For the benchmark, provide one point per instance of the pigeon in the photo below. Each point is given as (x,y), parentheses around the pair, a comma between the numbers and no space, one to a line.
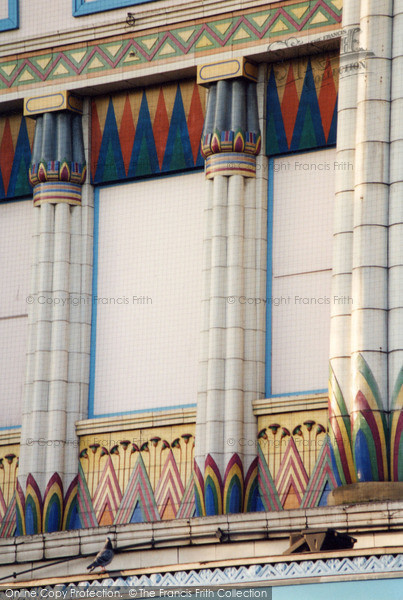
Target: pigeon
(103,558)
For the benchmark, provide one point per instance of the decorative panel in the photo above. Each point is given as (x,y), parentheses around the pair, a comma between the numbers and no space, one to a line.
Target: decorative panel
(295,469)
(136,476)
(8,481)
(102,57)
(147,132)
(16,139)
(302,104)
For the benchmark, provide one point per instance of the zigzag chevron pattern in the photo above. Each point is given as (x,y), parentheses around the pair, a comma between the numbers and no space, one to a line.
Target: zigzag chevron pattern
(302,104)
(295,464)
(187,508)
(169,491)
(139,493)
(3,506)
(107,497)
(132,483)
(147,132)
(16,139)
(292,478)
(86,510)
(322,478)
(9,520)
(268,492)
(247,27)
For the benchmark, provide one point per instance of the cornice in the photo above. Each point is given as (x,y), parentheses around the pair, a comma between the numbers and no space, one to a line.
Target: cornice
(120,61)
(144,420)
(147,16)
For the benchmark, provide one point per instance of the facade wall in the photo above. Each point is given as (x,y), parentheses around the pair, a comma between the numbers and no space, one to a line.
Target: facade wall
(178,367)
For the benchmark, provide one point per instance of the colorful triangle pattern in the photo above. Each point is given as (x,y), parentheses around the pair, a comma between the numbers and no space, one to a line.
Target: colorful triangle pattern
(8,522)
(322,480)
(169,490)
(293,488)
(302,105)
(138,499)
(108,496)
(147,132)
(16,139)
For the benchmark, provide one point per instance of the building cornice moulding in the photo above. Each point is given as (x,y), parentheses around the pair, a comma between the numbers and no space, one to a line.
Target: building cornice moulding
(286,404)
(10,436)
(177,416)
(146,16)
(259,528)
(171,52)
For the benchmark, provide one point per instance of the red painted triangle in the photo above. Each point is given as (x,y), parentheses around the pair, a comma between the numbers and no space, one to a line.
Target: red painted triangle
(126,134)
(161,127)
(327,98)
(195,122)
(289,105)
(6,155)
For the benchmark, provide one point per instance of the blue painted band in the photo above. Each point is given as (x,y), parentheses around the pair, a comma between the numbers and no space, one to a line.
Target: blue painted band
(303,393)
(12,19)
(82,7)
(269,282)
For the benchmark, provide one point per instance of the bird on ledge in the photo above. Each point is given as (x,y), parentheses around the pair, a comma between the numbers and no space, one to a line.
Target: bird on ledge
(103,558)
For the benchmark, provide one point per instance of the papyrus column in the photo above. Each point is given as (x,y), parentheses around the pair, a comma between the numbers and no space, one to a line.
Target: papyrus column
(48,468)
(395,250)
(232,352)
(369,327)
(375,401)
(340,323)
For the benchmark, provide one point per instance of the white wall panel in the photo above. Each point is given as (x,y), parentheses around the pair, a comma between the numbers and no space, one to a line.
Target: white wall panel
(149,261)
(16,220)
(300,334)
(303,212)
(303,198)
(13,346)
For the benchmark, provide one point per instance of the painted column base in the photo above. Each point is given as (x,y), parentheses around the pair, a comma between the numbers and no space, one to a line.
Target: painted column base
(366,491)
(55,192)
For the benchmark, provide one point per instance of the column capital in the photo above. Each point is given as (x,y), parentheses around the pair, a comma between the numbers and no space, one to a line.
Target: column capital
(231,136)
(58,168)
(227,69)
(37,105)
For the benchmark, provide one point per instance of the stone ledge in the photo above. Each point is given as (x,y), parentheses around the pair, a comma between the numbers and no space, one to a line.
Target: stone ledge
(367,491)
